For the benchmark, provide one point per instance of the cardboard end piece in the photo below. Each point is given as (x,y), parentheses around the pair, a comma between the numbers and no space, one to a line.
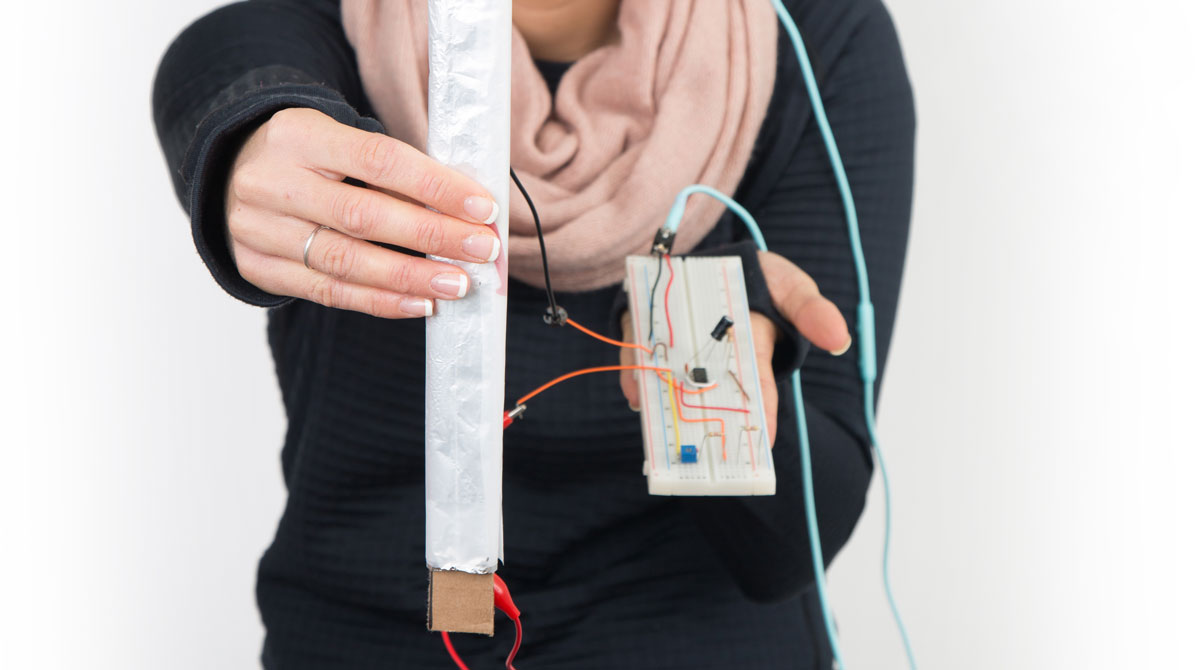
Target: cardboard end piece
(461,602)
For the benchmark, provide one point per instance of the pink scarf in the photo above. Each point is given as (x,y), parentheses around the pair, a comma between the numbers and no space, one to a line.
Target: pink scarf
(679,99)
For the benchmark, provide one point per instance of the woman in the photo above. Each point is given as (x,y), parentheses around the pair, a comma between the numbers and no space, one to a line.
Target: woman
(268,115)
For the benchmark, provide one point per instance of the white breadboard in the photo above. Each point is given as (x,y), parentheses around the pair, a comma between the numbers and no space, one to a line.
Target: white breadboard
(709,443)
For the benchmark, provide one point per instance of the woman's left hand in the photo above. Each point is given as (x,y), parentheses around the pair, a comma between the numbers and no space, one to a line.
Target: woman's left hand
(796,297)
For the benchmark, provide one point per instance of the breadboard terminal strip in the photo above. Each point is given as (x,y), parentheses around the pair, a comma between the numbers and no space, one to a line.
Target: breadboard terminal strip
(714,443)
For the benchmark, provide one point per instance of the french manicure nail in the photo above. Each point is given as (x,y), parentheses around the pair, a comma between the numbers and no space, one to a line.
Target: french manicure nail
(483,210)
(845,348)
(450,284)
(417,306)
(484,247)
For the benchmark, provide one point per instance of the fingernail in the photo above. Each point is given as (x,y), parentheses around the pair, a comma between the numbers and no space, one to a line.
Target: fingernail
(450,284)
(484,247)
(845,347)
(417,306)
(632,408)
(483,210)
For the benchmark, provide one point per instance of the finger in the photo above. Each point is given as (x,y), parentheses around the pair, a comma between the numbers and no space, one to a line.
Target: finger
(283,276)
(328,174)
(393,194)
(371,215)
(628,381)
(390,164)
(347,258)
(798,299)
(763,332)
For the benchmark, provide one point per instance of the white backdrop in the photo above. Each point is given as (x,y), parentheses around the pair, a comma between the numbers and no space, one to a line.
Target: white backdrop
(1034,412)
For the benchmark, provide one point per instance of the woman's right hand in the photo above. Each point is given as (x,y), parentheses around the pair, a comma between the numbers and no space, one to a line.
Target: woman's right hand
(287,180)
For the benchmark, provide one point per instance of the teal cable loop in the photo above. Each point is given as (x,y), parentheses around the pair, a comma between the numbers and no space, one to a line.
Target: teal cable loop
(866,346)
(675,215)
(866,311)
(810,504)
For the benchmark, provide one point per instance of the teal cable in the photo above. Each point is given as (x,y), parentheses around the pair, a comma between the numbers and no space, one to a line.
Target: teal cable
(675,214)
(887,529)
(835,156)
(810,504)
(866,346)
(866,311)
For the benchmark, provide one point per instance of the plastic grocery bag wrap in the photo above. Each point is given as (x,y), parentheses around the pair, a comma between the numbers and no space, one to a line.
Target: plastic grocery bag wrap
(470,44)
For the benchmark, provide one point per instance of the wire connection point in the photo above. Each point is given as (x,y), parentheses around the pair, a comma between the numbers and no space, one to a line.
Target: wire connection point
(663,241)
(512,415)
(555,316)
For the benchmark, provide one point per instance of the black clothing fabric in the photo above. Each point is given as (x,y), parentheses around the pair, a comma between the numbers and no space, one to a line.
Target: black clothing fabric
(605,575)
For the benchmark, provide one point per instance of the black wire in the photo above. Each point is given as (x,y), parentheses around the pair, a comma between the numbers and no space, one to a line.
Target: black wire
(657,276)
(537,224)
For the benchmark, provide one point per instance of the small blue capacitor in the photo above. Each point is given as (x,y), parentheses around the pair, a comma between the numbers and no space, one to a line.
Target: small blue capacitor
(688,453)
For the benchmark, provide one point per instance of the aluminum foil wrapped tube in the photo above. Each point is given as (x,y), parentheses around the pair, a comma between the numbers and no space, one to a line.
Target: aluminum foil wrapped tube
(470,45)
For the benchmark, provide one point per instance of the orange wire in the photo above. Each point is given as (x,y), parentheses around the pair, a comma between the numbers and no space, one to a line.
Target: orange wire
(609,340)
(626,345)
(631,345)
(695,391)
(720,409)
(688,391)
(724,454)
(606,368)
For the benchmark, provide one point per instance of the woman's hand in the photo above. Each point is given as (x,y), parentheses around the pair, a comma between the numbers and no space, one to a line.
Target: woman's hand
(796,297)
(287,180)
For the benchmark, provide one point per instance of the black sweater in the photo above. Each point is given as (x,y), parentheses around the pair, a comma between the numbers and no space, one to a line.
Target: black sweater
(606,575)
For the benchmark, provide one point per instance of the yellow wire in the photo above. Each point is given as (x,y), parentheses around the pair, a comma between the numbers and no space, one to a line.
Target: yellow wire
(674,412)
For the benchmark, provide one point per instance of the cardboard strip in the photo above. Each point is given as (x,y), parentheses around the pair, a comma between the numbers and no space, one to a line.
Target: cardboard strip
(461,602)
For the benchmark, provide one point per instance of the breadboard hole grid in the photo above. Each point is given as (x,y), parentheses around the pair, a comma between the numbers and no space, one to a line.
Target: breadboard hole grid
(703,423)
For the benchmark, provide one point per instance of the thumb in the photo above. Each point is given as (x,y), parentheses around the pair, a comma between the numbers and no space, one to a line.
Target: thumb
(798,299)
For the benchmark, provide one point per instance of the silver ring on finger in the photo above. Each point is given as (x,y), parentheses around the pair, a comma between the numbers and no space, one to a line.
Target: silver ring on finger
(309,241)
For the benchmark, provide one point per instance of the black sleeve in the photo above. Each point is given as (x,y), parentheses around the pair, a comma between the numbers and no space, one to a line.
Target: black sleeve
(764,540)
(223,76)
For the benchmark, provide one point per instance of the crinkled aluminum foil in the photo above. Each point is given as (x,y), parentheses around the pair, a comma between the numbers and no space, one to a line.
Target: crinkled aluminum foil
(470,44)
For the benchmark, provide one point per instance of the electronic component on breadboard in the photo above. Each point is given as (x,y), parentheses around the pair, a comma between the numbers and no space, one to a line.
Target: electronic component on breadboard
(703,423)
